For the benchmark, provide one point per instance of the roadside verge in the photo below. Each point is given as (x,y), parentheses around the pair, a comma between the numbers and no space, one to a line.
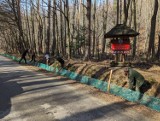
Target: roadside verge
(133,96)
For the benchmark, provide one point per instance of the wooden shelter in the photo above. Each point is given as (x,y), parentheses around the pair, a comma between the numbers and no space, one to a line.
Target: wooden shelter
(120,42)
(121,30)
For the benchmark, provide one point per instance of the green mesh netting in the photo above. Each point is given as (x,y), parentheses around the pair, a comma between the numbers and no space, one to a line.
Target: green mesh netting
(133,96)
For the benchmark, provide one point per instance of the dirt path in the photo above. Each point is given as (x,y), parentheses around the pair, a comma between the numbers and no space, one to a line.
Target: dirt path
(27,94)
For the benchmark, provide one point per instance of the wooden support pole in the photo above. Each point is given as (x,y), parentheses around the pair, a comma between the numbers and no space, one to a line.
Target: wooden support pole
(109,81)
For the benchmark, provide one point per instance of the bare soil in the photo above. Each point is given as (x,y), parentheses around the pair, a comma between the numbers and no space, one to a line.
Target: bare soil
(106,96)
(101,71)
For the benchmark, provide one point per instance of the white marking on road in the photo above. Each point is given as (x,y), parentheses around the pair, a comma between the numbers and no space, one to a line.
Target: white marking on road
(46,106)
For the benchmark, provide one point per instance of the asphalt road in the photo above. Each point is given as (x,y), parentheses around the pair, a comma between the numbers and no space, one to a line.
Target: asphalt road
(26,95)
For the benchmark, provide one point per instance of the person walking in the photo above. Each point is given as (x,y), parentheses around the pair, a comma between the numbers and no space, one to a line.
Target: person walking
(23,57)
(33,57)
(47,58)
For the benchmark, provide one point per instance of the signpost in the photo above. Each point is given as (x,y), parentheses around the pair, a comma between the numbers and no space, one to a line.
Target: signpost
(109,81)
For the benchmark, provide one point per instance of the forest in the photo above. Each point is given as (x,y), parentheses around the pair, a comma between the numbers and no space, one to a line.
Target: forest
(76,28)
(76,31)
(79,60)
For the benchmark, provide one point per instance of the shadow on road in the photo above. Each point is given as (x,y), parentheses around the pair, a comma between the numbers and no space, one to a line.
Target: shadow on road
(8,89)
(111,110)
(16,82)
(13,80)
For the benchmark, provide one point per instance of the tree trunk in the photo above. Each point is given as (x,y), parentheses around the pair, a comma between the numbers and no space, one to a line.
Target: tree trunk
(54,28)
(84,26)
(158,51)
(16,8)
(126,8)
(151,49)
(33,45)
(120,12)
(28,24)
(44,31)
(62,28)
(135,28)
(105,18)
(73,26)
(40,29)
(88,43)
(117,11)
(94,27)
(49,27)
(65,30)
(68,29)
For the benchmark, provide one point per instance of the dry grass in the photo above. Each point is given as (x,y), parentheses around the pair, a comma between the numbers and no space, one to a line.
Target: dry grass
(101,70)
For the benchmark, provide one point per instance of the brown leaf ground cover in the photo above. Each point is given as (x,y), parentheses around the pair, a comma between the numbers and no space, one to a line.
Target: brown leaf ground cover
(101,71)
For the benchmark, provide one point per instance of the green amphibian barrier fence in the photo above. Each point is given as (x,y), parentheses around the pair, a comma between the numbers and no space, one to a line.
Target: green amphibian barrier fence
(133,96)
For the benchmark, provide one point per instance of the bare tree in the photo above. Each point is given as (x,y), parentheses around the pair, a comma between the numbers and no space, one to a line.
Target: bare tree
(54,28)
(135,28)
(151,48)
(158,51)
(48,27)
(105,19)
(88,42)
(126,8)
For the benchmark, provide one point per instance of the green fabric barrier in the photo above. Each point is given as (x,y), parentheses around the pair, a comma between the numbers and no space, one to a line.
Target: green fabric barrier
(68,73)
(130,95)
(73,75)
(84,80)
(103,86)
(63,72)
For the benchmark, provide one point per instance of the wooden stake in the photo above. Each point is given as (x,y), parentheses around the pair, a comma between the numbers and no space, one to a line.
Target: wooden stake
(109,81)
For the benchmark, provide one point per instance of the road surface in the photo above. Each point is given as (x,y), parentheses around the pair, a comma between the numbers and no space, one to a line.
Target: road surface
(27,95)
